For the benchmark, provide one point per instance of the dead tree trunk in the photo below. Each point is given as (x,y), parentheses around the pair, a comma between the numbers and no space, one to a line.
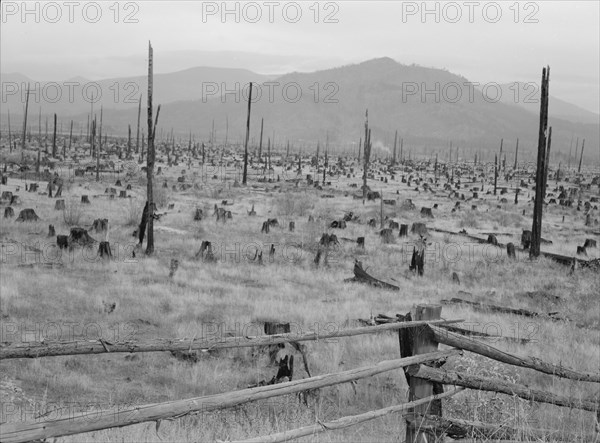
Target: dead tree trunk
(581,157)
(536,230)
(128,140)
(365,163)
(245,175)
(99,147)
(262,121)
(137,141)
(54,139)
(150,156)
(70,135)
(24,127)
(516,155)
(547,161)
(495,172)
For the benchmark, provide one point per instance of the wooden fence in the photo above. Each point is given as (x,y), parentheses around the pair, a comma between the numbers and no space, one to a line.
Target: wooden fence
(422,361)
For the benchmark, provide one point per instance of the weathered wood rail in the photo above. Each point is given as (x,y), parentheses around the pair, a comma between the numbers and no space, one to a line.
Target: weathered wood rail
(48,349)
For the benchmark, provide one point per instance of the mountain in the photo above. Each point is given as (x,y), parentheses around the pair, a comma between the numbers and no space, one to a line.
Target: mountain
(430,108)
(74,96)
(527,95)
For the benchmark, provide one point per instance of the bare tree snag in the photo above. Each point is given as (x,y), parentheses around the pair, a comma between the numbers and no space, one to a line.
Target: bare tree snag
(150,157)
(536,230)
(54,139)
(245,175)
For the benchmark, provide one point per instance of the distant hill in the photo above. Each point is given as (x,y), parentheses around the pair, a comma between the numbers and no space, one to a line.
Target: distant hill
(119,93)
(333,102)
(527,95)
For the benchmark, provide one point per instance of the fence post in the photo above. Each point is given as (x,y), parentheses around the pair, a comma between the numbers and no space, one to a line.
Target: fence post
(416,341)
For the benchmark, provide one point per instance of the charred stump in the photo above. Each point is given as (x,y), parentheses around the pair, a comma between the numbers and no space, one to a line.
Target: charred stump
(403,230)
(85,200)
(62,241)
(510,251)
(27,215)
(104,250)
(292,226)
(265,227)
(59,205)
(9,212)
(51,231)
(526,239)
(173,267)
(360,242)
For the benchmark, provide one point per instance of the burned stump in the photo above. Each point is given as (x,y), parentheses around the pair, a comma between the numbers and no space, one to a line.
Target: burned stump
(292,226)
(526,239)
(122,194)
(104,250)
(265,227)
(403,230)
(62,241)
(173,267)
(418,228)
(100,225)
(85,200)
(426,213)
(387,235)
(206,252)
(51,231)
(9,212)
(198,214)
(589,243)
(80,236)
(510,250)
(360,242)
(581,251)
(492,240)
(59,205)
(252,212)
(27,215)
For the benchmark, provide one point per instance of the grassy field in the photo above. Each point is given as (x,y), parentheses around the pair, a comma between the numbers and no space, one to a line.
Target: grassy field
(237,295)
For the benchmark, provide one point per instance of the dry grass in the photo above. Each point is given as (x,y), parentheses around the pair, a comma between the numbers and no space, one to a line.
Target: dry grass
(235,295)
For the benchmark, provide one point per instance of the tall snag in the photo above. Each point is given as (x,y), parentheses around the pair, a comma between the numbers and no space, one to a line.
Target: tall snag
(245,176)
(536,229)
(150,158)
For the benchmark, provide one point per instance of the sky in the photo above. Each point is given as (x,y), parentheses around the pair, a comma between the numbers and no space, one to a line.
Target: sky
(484,41)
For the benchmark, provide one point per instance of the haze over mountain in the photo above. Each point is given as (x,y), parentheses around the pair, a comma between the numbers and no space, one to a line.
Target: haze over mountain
(429,108)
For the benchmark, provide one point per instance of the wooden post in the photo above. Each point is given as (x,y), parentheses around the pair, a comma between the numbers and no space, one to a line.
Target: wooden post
(536,229)
(245,175)
(421,341)
(54,139)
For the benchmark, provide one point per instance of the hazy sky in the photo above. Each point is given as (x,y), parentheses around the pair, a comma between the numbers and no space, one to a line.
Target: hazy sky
(483,43)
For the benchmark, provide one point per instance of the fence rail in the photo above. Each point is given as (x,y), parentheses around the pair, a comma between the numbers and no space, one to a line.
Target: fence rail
(50,349)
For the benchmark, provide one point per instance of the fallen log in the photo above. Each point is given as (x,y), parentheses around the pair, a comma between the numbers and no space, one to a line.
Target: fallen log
(501,386)
(503,309)
(17,432)
(361,276)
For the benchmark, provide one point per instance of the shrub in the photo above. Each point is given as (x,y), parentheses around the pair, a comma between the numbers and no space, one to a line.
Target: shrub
(73,212)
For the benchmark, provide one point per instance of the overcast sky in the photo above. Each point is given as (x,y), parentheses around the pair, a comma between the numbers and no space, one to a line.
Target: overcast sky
(484,44)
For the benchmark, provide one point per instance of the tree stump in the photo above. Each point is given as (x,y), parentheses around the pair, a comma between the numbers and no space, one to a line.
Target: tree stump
(510,251)
(311,219)
(581,251)
(4,180)
(59,205)
(85,200)
(51,231)
(128,188)
(589,243)
(7,195)
(58,192)
(526,239)
(62,241)
(492,240)
(418,228)
(455,278)
(9,212)
(403,230)
(252,212)
(173,267)
(387,235)
(33,187)
(198,214)
(265,227)
(360,242)
(100,225)
(14,200)
(271,252)
(104,250)
(292,226)
(118,183)
(27,215)
(122,194)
